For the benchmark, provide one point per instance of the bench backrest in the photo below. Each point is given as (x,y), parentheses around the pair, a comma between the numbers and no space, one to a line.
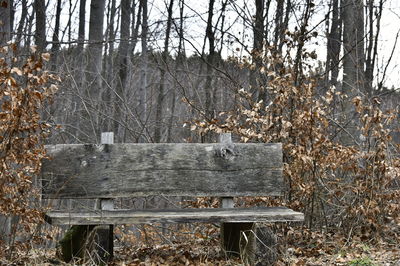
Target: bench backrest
(173,169)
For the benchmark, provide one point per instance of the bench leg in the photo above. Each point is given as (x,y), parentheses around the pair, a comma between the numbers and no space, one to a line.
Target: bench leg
(102,244)
(88,242)
(255,244)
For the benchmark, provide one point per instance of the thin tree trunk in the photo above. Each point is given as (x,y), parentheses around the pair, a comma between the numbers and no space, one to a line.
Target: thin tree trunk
(123,59)
(21,24)
(144,66)
(257,52)
(94,66)
(135,26)
(209,103)
(81,27)
(161,92)
(278,24)
(40,31)
(178,64)
(56,42)
(372,43)
(28,29)
(5,26)
(334,45)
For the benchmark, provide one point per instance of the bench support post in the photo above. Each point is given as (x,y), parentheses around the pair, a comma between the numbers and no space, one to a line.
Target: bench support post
(104,236)
(255,244)
(105,233)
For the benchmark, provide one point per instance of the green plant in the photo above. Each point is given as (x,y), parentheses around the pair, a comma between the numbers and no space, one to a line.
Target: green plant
(361,262)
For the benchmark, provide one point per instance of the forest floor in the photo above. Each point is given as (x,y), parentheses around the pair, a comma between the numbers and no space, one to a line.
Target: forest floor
(200,246)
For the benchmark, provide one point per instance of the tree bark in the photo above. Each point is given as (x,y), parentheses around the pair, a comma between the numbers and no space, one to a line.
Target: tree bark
(40,31)
(372,48)
(95,48)
(21,24)
(257,52)
(81,27)
(123,59)
(178,64)
(5,16)
(209,101)
(334,46)
(144,66)
(56,42)
(353,44)
(161,92)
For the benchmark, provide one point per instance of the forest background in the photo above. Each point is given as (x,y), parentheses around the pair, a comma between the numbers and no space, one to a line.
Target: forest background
(321,77)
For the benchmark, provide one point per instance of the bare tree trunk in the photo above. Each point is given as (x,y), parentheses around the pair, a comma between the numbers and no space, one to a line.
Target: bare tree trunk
(95,47)
(5,27)
(108,70)
(135,25)
(209,102)
(161,92)
(24,14)
(40,31)
(334,46)
(123,59)
(257,52)
(353,43)
(29,29)
(372,49)
(178,64)
(94,66)
(144,67)
(81,27)
(278,24)
(56,42)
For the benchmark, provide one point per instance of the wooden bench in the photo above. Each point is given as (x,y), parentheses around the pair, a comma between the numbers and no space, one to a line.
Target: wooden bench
(110,171)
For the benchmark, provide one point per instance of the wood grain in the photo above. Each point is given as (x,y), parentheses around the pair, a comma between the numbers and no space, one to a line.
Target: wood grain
(125,170)
(261,214)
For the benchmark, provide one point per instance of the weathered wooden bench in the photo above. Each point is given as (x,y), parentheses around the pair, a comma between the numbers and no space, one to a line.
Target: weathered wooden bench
(223,169)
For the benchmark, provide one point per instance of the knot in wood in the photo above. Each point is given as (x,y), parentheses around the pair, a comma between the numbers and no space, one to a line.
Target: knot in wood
(225,150)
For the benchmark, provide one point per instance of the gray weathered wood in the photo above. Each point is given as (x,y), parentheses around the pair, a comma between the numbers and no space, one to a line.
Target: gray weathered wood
(226,139)
(107,138)
(122,170)
(272,214)
(104,234)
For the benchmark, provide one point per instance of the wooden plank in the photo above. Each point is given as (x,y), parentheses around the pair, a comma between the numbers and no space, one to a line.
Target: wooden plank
(125,170)
(265,214)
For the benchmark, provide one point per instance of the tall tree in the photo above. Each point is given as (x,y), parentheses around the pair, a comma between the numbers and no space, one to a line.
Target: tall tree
(210,35)
(334,46)
(135,24)
(93,77)
(123,58)
(22,21)
(144,65)
(81,27)
(40,30)
(5,19)
(353,45)
(372,46)
(178,66)
(161,92)
(56,41)
(95,47)
(257,52)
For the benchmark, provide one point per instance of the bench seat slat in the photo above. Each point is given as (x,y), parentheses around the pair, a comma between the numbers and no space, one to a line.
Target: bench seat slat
(125,216)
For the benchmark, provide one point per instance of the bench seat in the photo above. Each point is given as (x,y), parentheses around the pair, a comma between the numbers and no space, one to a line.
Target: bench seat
(205,215)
